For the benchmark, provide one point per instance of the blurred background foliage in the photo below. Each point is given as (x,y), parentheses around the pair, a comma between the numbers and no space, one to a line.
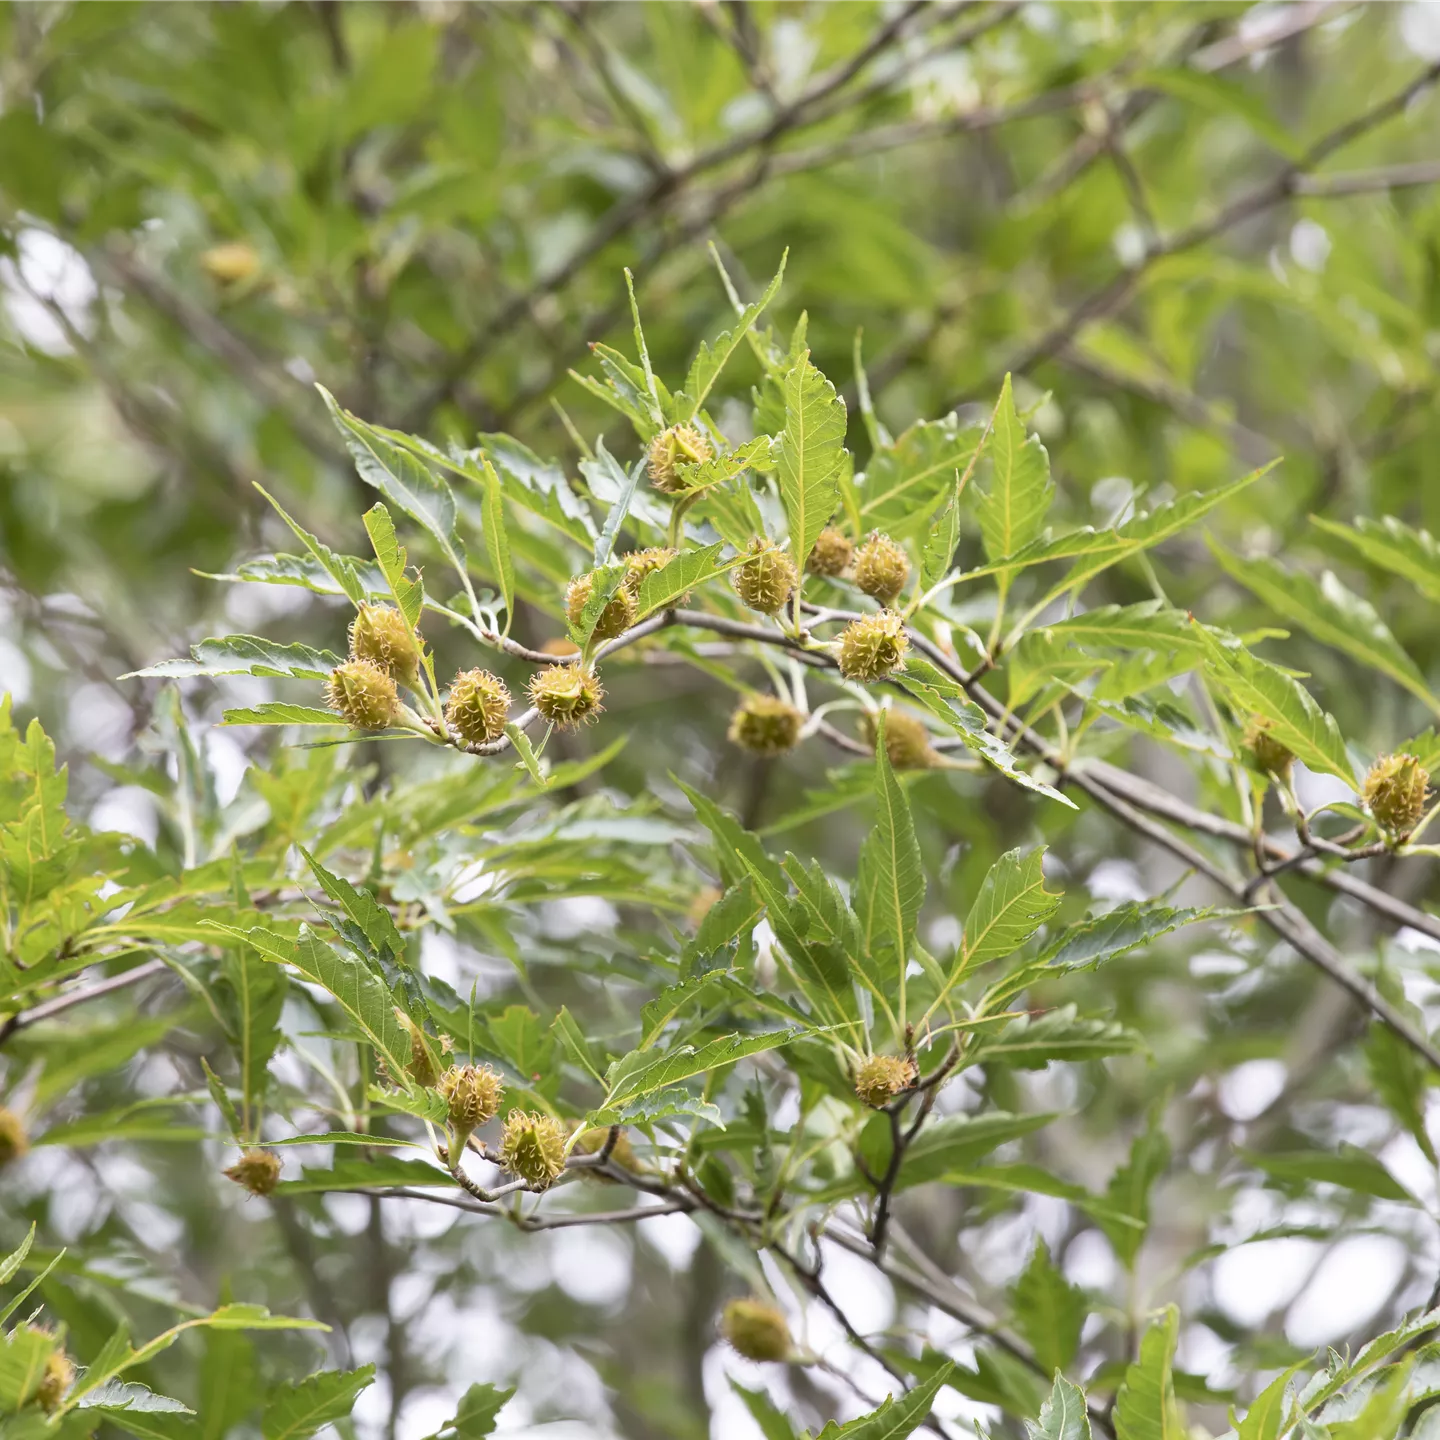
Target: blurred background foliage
(1201,236)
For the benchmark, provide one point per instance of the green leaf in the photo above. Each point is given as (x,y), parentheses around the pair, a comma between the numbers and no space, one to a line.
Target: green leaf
(295,1412)
(1256,687)
(891,879)
(625,483)
(641,1072)
(948,1145)
(1411,555)
(1033,1041)
(1349,1167)
(710,360)
(23,1353)
(1012,511)
(371,918)
(1265,1418)
(1117,932)
(382,460)
(10,1265)
(246,655)
(1129,1190)
(229,1391)
(809,456)
(1012,905)
(377,1172)
(343,569)
(277,712)
(1145,1407)
(772,1422)
(497,542)
(1331,613)
(474,1418)
(1220,96)
(678,577)
(409,594)
(1063,1416)
(899,1416)
(1049,1312)
(905,481)
(939,548)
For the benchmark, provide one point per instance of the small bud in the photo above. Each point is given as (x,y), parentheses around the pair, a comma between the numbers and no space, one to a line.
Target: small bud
(765,725)
(640,563)
(364,694)
(566,695)
(757,1330)
(230,263)
(907,741)
(477,706)
(473,1094)
(257,1170)
(832,554)
(592,1142)
(379,634)
(870,648)
(55,1382)
(881,568)
(421,1068)
(617,616)
(1395,792)
(532,1148)
(679,445)
(881,1078)
(14,1140)
(1268,753)
(767,578)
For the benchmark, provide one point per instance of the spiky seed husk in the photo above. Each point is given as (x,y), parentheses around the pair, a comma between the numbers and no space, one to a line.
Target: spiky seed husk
(871,647)
(617,616)
(1268,753)
(421,1067)
(832,554)
(765,725)
(258,1171)
(1395,792)
(766,579)
(14,1138)
(756,1330)
(363,694)
(477,707)
(532,1148)
(592,1142)
(880,1078)
(881,568)
(473,1094)
(907,741)
(566,695)
(640,563)
(379,634)
(55,1382)
(679,445)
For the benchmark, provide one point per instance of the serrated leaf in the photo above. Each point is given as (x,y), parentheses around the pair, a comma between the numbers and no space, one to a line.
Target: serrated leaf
(374,921)
(277,712)
(1145,1407)
(1128,1193)
(948,1145)
(1265,1417)
(380,1172)
(246,655)
(1034,1041)
(1412,555)
(1127,927)
(295,1412)
(1328,611)
(1349,1167)
(1011,906)
(474,1417)
(710,360)
(642,1072)
(809,455)
(1063,1416)
(343,569)
(1012,511)
(939,547)
(899,1416)
(625,484)
(497,542)
(1049,1312)
(905,482)
(409,594)
(604,582)
(10,1265)
(1256,687)
(678,577)
(540,486)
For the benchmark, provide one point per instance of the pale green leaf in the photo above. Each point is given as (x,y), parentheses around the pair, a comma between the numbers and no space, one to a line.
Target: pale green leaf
(1145,1407)
(344,570)
(279,712)
(906,481)
(711,359)
(409,594)
(891,880)
(1049,1311)
(246,655)
(1012,511)
(809,455)
(1011,906)
(1411,555)
(1063,1416)
(899,1416)
(295,1412)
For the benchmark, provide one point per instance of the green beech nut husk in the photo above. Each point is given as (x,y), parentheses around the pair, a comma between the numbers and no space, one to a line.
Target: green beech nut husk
(881,568)
(679,445)
(55,1382)
(617,616)
(421,1068)
(532,1148)
(1395,791)
(640,563)
(477,707)
(257,1170)
(880,1078)
(756,1330)
(14,1139)
(832,554)
(871,647)
(472,1093)
(907,741)
(1268,753)
(566,695)
(379,634)
(766,579)
(765,725)
(363,694)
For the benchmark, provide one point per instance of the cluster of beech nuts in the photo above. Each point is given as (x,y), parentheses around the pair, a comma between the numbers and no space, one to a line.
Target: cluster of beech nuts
(532,1145)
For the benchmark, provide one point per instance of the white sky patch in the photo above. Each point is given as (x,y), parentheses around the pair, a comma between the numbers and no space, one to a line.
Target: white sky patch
(1351,1284)
(1249,1089)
